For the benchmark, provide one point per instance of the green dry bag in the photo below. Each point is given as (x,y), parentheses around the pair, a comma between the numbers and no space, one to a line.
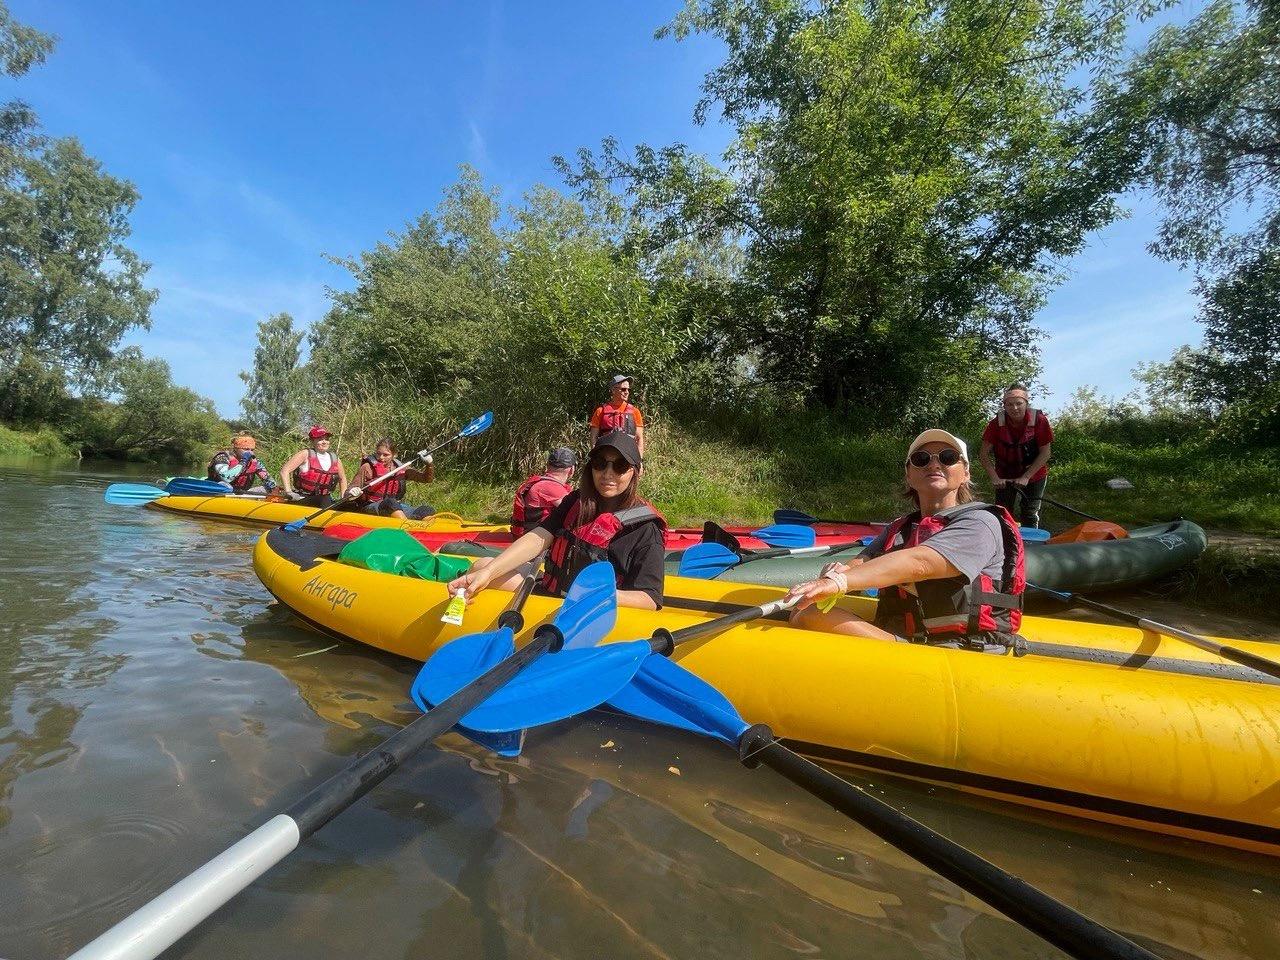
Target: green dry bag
(394,551)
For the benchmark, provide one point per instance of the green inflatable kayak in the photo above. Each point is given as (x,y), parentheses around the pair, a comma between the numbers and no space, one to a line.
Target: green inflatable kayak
(1146,554)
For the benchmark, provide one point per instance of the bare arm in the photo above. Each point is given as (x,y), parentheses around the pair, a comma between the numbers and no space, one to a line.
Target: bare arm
(523,550)
(640,441)
(290,465)
(988,461)
(1041,459)
(636,598)
(342,474)
(901,566)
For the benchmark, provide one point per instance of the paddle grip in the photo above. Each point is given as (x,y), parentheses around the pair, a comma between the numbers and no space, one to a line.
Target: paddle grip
(1065,928)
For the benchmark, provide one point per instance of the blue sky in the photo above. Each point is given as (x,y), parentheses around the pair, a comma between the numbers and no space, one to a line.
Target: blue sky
(262,137)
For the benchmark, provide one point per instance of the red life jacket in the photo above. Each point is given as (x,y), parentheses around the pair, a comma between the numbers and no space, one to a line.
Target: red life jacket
(393,488)
(611,418)
(312,478)
(242,481)
(953,608)
(577,547)
(524,514)
(1015,453)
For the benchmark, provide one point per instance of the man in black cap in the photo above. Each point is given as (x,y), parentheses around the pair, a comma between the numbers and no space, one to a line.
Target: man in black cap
(538,495)
(619,413)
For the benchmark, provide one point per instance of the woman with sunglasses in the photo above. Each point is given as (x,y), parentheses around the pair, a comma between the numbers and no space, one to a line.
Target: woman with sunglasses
(949,573)
(604,519)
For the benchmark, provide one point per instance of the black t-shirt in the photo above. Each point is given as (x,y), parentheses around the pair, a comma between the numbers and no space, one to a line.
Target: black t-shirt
(637,553)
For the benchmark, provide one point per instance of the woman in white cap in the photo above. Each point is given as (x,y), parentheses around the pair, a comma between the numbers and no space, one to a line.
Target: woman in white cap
(604,519)
(949,573)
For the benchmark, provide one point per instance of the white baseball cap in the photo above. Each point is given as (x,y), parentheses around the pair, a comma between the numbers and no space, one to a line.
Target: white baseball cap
(939,436)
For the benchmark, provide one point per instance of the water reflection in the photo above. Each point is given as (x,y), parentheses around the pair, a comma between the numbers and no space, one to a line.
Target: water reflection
(154,705)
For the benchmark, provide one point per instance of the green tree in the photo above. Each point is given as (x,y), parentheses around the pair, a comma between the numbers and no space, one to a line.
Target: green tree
(904,179)
(525,311)
(1205,99)
(270,402)
(69,286)
(146,415)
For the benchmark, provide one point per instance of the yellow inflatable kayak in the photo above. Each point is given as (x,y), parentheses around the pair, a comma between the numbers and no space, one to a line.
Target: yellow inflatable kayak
(1109,723)
(273,513)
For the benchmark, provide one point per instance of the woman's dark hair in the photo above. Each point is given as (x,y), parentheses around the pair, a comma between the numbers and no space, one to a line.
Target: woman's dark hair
(385,442)
(1017,386)
(589,496)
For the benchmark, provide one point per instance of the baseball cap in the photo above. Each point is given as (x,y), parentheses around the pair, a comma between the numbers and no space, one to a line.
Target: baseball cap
(244,442)
(620,378)
(561,457)
(318,433)
(623,442)
(939,436)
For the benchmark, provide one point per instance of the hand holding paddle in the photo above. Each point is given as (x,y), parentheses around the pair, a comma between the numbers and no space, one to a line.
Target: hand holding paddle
(479,425)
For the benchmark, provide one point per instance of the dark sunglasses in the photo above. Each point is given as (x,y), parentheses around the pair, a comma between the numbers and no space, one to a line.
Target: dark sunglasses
(618,466)
(947,457)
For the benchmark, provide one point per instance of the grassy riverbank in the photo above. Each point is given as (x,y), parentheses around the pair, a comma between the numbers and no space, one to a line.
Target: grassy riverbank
(827,472)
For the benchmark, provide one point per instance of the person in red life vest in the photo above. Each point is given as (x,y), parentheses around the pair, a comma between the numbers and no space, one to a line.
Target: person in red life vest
(239,467)
(385,498)
(541,493)
(310,476)
(1015,453)
(619,414)
(950,573)
(604,519)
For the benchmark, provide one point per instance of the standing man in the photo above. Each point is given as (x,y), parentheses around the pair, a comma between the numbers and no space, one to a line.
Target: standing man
(1015,453)
(619,414)
(542,493)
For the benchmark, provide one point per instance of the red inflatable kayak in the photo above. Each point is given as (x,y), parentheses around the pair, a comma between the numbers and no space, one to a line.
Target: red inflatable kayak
(678,538)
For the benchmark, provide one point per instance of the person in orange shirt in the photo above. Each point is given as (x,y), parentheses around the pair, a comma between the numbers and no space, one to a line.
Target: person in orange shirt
(619,414)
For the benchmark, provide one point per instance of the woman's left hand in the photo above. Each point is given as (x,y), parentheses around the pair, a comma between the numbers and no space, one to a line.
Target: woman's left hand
(812,591)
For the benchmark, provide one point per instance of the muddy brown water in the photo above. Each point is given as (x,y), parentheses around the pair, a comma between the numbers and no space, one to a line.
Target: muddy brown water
(155,705)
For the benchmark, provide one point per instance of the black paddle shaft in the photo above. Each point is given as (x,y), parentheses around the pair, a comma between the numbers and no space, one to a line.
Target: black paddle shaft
(345,787)
(1065,928)
(1234,654)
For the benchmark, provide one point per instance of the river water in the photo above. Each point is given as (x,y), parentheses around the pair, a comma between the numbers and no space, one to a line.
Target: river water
(155,705)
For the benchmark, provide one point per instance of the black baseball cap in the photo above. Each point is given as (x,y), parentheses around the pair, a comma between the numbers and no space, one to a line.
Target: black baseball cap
(561,457)
(620,378)
(623,442)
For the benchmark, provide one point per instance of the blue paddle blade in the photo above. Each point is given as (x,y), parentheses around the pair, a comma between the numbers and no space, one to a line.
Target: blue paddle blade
(665,692)
(479,425)
(706,561)
(552,688)
(455,665)
(131,494)
(195,487)
(793,516)
(787,535)
(590,608)
(1034,535)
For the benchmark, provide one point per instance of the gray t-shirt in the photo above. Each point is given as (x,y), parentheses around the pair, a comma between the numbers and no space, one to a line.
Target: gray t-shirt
(971,543)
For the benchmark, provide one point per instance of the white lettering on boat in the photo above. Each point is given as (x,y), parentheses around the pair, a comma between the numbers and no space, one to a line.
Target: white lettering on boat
(336,595)
(1170,540)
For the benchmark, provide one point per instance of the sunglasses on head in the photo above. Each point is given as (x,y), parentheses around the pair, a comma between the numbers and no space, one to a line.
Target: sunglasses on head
(616,464)
(946,456)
